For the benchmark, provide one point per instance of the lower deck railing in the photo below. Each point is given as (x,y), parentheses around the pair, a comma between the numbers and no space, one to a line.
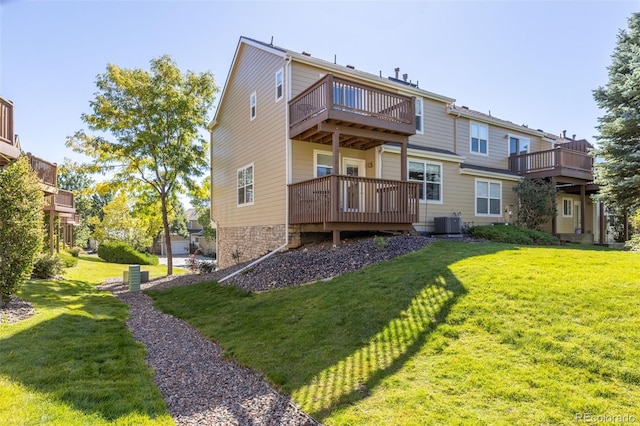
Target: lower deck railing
(351,199)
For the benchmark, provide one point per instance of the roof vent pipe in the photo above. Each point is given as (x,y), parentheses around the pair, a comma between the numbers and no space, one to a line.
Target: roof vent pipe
(564,134)
(405,76)
(397,70)
(574,137)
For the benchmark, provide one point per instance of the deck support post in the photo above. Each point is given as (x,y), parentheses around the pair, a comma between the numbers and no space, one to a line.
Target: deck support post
(583,209)
(335,198)
(554,220)
(51,233)
(602,223)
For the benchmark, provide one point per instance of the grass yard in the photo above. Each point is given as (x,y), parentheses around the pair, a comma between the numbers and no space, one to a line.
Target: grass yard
(75,362)
(458,333)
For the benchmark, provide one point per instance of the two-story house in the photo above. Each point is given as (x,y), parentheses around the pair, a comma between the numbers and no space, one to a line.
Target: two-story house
(300,145)
(59,204)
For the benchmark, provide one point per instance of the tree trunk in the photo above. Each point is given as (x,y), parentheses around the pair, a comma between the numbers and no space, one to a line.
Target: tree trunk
(167,235)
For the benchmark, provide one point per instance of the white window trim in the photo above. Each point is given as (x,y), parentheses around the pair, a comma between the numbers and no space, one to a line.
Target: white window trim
(421,131)
(281,72)
(253,103)
(475,199)
(520,138)
(471,124)
(253,172)
(315,160)
(441,183)
(570,201)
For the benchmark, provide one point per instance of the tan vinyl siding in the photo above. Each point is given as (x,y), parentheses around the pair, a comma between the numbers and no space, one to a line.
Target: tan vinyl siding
(458,193)
(438,127)
(237,141)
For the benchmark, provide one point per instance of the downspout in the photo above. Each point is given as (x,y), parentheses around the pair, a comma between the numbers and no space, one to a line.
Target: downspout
(287,141)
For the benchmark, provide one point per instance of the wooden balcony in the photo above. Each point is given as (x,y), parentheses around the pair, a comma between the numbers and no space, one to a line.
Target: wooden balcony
(9,149)
(560,162)
(47,173)
(366,116)
(341,202)
(62,202)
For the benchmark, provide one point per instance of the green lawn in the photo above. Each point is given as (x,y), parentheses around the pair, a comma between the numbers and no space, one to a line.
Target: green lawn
(457,333)
(75,362)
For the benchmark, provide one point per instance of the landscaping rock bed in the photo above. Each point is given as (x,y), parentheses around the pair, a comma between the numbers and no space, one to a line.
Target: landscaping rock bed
(16,310)
(201,386)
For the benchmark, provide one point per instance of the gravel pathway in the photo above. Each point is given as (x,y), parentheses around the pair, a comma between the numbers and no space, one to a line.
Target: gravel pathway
(199,386)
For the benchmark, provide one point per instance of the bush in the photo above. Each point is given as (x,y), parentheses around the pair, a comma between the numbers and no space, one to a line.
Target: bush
(74,251)
(47,266)
(200,266)
(119,252)
(512,235)
(68,259)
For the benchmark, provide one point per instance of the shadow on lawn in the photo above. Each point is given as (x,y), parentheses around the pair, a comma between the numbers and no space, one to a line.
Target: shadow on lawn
(84,357)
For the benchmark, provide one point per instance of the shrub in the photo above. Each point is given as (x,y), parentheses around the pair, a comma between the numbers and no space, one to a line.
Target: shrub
(200,266)
(21,230)
(380,242)
(68,259)
(119,252)
(512,235)
(47,266)
(74,251)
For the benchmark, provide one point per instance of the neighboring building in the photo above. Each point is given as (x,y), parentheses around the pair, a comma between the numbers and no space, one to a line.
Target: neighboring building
(300,145)
(196,234)
(58,202)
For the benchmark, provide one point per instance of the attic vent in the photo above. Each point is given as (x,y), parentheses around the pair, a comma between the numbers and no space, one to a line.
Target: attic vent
(306,53)
(447,225)
(351,67)
(465,107)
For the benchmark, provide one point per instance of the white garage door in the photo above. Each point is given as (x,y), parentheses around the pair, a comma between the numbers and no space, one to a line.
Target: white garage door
(179,247)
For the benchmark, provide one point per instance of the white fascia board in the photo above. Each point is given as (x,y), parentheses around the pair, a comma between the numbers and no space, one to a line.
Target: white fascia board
(454,158)
(488,174)
(495,122)
(371,78)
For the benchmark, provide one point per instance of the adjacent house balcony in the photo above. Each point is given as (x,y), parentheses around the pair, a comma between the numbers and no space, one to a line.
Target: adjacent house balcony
(47,173)
(9,149)
(560,162)
(62,202)
(367,116)
(341,202)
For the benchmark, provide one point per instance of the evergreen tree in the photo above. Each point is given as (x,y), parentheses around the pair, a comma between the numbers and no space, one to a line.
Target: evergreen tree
(619,139)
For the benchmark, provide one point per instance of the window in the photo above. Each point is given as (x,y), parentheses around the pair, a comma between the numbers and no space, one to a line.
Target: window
(567,207)
(518,145)
(323,163)
(429,175)
(252,105)
(279,86)
(488,198)
(245,185)
(419,117)
(479,136)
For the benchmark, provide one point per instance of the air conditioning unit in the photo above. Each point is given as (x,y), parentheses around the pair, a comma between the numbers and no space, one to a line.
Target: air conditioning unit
(447,225)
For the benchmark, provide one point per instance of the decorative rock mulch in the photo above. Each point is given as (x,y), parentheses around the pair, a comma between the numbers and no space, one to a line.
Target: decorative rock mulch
(16,310)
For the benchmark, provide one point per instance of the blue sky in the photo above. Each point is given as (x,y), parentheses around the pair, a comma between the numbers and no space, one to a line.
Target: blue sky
(533,63)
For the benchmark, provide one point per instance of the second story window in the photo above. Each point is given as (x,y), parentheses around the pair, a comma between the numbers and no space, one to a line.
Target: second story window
(253,106)
(279,86)
(518,145)
(419,117)
(479,137)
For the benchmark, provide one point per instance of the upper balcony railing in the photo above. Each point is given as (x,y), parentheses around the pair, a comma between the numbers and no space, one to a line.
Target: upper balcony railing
(557,162)
(62,201)
(47,172)
(7,134)
(351,199)
(335,98)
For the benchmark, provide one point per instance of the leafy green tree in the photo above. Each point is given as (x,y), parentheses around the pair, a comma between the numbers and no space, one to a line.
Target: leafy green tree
(179,221)
(536,202)
(120,224)
(73,177)
(619,127)
(155,118)
(200,197)
(21,234)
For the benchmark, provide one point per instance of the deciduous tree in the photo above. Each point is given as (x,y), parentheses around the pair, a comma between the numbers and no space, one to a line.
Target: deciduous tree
(536,204)
(155,118)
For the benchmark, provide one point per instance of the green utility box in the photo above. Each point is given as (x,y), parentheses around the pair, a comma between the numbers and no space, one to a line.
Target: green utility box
(133,278)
